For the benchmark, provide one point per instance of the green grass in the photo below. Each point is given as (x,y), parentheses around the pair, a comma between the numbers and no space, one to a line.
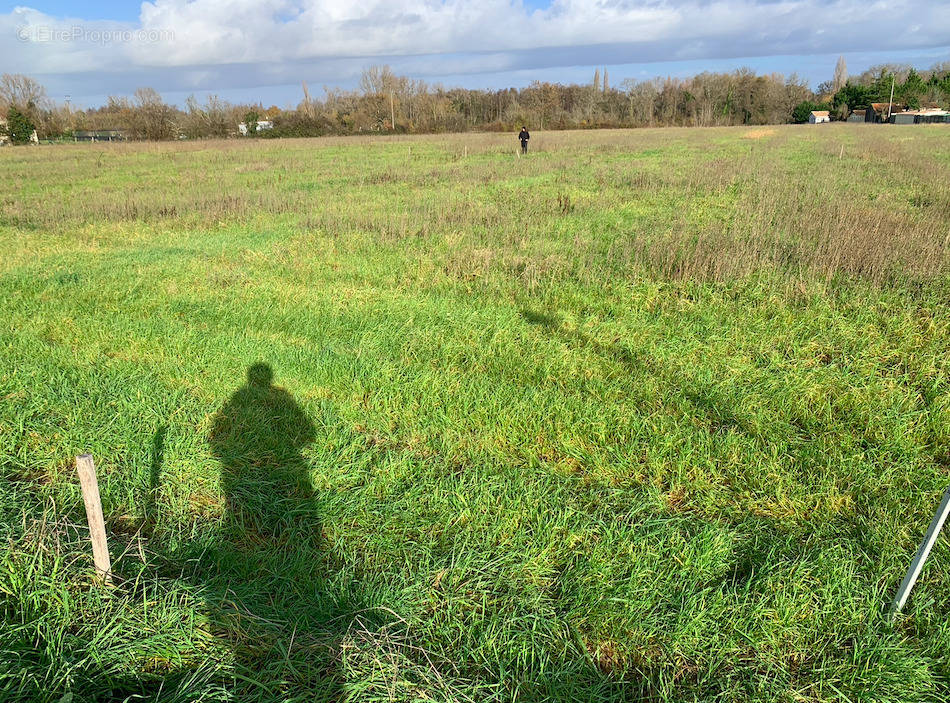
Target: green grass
(656,415)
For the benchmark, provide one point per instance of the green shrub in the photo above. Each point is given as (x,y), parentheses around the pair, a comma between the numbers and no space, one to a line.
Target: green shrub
(19,127)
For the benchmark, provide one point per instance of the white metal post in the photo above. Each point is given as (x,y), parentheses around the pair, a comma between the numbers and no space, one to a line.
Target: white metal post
(922,553)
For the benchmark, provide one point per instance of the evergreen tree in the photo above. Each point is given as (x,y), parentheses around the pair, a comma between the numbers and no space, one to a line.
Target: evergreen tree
(913,89)
(856,96)
(19,127)
(251,118)
(802,111)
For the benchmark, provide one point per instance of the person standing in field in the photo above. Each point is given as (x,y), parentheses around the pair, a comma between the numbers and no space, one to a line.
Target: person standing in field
(524,137)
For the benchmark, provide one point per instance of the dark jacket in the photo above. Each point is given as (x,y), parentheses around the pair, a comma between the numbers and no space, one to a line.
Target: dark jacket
(524,136)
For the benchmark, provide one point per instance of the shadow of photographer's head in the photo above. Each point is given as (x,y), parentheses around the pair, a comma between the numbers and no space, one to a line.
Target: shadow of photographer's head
(260,375)
(261,426)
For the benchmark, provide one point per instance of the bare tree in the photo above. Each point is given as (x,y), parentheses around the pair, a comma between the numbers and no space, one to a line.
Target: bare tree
(22,92)
(208,120)
(155,119)
(841,75)
(377,80)
(880,71)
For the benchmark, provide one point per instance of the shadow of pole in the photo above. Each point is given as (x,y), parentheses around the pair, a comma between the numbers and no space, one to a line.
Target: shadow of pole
(155,473)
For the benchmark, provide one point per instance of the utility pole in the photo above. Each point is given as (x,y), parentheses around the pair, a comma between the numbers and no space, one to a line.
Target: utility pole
(891,101)
(392,112)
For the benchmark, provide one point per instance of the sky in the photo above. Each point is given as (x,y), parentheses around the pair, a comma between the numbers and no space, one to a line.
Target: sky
(261,50)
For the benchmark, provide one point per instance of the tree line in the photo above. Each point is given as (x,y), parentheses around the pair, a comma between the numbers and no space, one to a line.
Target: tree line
(389,103)
(909,87)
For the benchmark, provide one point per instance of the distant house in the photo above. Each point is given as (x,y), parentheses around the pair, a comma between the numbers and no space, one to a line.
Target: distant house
(881,112)
(819,116)
(927,115)
(935,116)
(99,135)
(261,126)
(858,116)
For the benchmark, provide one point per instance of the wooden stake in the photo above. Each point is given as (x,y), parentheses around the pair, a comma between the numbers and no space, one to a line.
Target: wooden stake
(97,526)
(917,565)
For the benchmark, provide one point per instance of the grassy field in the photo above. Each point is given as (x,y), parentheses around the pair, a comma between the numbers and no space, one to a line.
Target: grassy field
(653,415)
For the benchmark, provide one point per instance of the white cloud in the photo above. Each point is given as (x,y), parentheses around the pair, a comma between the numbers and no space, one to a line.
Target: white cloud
(196,43)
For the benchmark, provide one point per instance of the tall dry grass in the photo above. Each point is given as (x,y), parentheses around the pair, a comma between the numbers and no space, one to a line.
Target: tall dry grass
(709,204)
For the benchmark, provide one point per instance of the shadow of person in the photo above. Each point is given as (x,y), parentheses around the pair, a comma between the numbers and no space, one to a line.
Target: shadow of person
(268,567)
(258,436)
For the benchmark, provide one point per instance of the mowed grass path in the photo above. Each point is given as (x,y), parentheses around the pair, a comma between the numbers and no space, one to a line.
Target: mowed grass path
(651,415)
